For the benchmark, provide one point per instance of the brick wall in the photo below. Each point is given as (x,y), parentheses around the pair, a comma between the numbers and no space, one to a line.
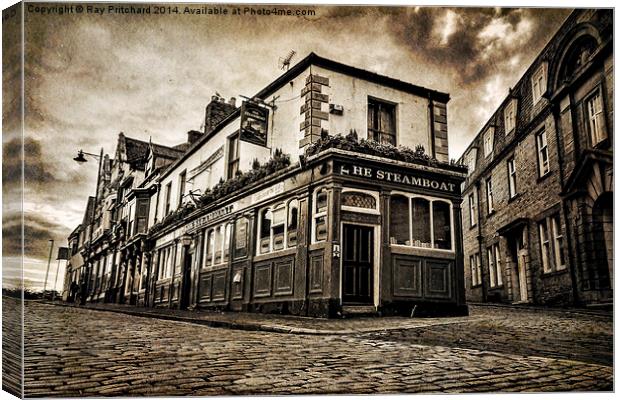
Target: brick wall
(315,109)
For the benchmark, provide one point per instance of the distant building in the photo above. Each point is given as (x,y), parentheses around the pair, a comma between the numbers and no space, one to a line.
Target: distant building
(537,204)
(328,192)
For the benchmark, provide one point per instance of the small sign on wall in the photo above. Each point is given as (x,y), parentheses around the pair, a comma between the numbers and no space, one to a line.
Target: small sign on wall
(254,121)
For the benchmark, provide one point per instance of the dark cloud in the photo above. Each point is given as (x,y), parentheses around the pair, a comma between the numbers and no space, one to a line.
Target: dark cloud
(37,232)
(36,170)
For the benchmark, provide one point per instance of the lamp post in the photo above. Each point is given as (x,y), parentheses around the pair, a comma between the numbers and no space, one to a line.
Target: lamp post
(47,272)
(85,278)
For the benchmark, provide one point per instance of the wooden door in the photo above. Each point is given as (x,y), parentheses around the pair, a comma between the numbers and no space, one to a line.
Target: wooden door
(357,264)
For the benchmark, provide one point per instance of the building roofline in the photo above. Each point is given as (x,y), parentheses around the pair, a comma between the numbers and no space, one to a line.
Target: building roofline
(314,59)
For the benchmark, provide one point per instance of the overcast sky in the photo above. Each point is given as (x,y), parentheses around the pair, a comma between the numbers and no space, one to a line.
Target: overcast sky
(89,77)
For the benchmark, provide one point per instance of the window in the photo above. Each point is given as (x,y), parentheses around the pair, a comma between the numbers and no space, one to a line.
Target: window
(470,160)
(552,244)
(512,178)
(595,118)
(233,156)
(217,245)
(354,200)
(241,238)
(473,209)
(476,270)
(278,227)
(488,141)
(420,222)
(381,122)
(319,226)
(142,214)
(182,179)
(539,83)
(167,196)
(510,116)
(558,242)
(490,205)
(495,270)
(165,262)
(543,153)
(545,245)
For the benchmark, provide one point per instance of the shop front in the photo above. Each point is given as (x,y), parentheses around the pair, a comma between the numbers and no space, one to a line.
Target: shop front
(339,233)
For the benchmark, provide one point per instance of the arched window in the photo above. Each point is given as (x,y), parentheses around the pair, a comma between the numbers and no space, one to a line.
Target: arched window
(399,220)
(420,222)
(578,56)
(321,201)
(319,220)
(358,200)
(241,238)
(265,231)
(442,231)
(278,220)
(293,215)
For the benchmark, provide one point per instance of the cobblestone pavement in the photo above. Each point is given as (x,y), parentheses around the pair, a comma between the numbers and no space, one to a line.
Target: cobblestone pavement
(80,352)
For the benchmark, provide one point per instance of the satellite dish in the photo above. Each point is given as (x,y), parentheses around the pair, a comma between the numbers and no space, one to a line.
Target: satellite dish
(285,63)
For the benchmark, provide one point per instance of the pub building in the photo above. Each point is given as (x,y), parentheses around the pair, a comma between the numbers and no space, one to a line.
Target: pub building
(328,193)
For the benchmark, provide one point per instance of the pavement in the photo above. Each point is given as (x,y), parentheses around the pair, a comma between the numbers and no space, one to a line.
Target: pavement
(77,351)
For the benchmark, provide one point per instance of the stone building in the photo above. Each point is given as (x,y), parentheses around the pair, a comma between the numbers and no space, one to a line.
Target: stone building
(537,202)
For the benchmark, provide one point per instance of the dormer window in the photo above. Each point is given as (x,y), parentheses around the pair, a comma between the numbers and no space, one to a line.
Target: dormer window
(510,116)
(539,82)
(488,141)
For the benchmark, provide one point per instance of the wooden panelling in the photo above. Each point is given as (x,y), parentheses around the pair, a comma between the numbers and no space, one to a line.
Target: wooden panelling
(316,273)
(219,286)
(438,282)
(283,277)
(407,276)
(262,279)
(204,290)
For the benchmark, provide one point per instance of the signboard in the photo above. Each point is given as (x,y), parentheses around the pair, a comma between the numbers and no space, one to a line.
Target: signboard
(271,191)
(63,253)
(400,177)
(205,219)
(254,121)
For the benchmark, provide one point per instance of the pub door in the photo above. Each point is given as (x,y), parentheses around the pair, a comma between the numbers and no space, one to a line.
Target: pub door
(357,264)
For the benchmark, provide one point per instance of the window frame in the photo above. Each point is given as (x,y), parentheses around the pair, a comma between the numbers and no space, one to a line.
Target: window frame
(472,198)
(225,230)
(556,252)
(488,139)
(476,270)
(167,197)
(319,214)
(510,117)
(490,200)
(601,134)
(371,131)
(371,193)
(545,245)
(495,266)
(182,184)
(286,204)
(539,83)
(232,162)
(542,148)
(512,177)
(431,200)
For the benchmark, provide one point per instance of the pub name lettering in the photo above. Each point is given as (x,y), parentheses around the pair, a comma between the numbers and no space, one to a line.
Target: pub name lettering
(395,177)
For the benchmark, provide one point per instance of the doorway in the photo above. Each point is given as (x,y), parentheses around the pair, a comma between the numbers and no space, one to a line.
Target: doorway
(518,255)
(357,264)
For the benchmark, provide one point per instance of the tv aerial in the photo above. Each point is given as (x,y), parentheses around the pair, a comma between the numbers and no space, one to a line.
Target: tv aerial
(285,63)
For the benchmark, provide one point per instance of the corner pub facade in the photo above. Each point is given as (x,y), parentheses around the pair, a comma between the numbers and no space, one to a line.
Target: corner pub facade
(282,208)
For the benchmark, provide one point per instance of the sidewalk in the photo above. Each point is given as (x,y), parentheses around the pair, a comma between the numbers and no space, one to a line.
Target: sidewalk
(276,323)
(316,326)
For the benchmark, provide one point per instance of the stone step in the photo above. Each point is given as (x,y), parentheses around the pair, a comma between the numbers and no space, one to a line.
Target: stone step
(359,310)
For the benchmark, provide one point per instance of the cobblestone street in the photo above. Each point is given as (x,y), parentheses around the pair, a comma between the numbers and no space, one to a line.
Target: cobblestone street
(80,352)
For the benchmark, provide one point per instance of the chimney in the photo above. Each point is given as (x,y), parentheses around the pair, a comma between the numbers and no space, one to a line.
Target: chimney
(193,136)
(217,110)
(232,101)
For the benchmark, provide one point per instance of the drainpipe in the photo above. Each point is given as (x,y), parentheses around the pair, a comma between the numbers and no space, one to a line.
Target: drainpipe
(480,237)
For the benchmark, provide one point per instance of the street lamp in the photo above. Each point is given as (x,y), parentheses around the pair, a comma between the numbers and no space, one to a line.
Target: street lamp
(81,159)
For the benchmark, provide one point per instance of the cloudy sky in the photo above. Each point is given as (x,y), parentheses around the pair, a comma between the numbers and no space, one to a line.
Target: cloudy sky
(89,77)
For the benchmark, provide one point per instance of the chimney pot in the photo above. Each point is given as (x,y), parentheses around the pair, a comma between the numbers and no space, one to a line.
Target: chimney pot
(232,101)
(214,97)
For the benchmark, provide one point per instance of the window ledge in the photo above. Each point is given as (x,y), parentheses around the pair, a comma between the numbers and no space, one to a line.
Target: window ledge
(554,273)
(545,176)
(513,198)
(276,254)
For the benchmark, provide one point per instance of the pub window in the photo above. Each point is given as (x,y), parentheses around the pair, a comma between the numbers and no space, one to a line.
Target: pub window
(320,216)
(208,252)
(241,238)
(420,222)
(278,226)
(543,153)
(293,216)
(182,179)
(381,122)
(442,235)
(359,201)
(227,230)
(512,178)
(219,236)
(399,220)
(233,155)
(595,118)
